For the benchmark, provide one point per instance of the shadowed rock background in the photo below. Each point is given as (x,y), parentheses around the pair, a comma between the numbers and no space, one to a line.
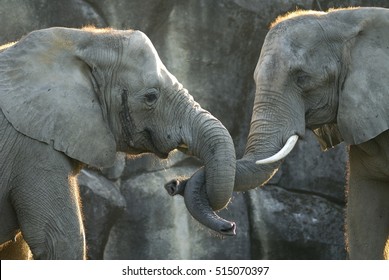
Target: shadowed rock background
(212,47)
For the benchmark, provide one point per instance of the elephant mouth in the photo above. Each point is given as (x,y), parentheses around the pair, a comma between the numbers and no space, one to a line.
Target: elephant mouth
(183,148)
(150,146)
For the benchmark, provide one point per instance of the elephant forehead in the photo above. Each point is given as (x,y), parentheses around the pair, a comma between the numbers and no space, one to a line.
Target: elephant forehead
(141,56)
(141,49)
(275,62)
(298,32)
(289,51)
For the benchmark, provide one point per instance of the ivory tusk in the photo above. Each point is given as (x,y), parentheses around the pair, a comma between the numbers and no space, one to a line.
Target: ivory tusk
(289,145)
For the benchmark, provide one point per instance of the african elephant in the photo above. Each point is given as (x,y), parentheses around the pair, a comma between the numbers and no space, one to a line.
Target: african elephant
(327,72)
(70,97)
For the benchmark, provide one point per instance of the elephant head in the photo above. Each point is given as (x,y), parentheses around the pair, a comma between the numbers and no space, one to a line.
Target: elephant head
(321,71)
(327,72)
(90,93)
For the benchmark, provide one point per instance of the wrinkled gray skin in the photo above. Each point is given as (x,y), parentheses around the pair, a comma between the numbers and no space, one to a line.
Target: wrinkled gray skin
(328,72)
(196,202)
(70,96)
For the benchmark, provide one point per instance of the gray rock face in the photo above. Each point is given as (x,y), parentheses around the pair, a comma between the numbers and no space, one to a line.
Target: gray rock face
(290,225)
(102,206)
(212,47)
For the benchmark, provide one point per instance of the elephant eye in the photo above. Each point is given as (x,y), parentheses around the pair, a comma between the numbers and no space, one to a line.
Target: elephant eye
(151,96)
(303,80)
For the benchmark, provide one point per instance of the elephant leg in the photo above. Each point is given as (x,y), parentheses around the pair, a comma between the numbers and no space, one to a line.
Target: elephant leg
(367,213)
(48,208)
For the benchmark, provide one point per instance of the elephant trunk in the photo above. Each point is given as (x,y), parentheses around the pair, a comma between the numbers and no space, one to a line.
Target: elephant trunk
(210,141)
(197,203)
(270,130)
(214,146)
(275,128)
(210,188)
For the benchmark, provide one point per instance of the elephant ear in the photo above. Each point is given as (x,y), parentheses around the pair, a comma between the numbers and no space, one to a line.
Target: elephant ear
(47,93)
(363,111)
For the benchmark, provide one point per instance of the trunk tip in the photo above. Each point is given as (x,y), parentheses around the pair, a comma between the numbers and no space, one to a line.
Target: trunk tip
(228,229)
(175,187)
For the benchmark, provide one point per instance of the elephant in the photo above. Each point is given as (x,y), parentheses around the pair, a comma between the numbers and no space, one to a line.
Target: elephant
(75,97)
(327,72)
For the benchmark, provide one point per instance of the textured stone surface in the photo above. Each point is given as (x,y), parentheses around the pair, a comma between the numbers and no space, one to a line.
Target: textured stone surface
(212,47)
(289,225)
(102,206)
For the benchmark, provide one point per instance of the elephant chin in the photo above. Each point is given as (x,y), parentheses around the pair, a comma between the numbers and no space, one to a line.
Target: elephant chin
(194,192)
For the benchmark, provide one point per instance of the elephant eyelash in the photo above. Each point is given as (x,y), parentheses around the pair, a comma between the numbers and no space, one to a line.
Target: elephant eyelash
(151,96)
(305,81)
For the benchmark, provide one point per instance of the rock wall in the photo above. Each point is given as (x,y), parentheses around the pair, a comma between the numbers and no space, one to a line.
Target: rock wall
(212,47)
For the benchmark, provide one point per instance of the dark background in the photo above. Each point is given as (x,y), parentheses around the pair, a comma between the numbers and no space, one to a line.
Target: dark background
(212,47)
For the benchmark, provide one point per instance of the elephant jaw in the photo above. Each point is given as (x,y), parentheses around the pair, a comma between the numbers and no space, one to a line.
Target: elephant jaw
(288,147)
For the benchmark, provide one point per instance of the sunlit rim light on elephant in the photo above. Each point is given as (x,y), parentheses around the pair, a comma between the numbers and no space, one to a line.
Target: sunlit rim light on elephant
(327,72)
(70,96)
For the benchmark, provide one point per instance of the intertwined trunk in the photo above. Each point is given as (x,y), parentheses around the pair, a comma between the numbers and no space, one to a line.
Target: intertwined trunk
(274,120)
(210,141)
